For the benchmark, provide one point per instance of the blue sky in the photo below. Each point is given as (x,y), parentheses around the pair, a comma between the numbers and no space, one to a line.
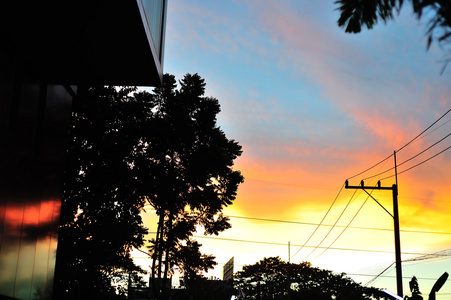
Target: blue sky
(312,106)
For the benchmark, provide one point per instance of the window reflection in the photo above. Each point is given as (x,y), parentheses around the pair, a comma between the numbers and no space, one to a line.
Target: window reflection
(155,13)
(31,170)
(27,248)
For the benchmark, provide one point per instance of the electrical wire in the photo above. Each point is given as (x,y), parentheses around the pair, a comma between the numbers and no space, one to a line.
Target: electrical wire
(386,177)
(408,143)
(344,229)
(333,202)
(287,184)
(385,159)
(307,246)
(379,275)
(435,255)
(424,161)
(413,157)
(275,220)
(329,225)
(388,276)
(435,129)
(338,219)
(423,131)
(412,140)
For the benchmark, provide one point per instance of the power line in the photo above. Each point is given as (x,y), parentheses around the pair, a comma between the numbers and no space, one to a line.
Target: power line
(347,226)
(276,220)
(379,275)
(388,276)
(413,157)
(333,226)
(385,159)
(338,219)
(424,161)
(435,129)
(439,254)
(398,254)
(329,225)
(344,229)
(288,184)
(306,246)
(435,255)
(423,131)
(336,197)
(401,147)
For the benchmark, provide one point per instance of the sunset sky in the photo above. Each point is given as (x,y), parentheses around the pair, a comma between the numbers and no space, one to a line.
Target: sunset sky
(313,106)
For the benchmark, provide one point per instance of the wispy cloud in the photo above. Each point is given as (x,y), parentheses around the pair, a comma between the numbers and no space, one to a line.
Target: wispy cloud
(312,106)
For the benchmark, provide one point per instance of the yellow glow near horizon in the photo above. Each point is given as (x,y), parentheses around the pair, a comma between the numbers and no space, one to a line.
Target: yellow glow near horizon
(359,249)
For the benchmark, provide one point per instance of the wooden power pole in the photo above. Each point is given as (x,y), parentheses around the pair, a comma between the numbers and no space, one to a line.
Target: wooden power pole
(395,216)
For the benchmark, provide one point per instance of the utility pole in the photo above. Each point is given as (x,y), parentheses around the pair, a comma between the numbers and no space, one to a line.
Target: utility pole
(289,257)
(395,216)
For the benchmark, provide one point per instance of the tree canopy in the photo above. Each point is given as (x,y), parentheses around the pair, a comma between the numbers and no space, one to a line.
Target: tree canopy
(100,214)
(356,13)
(128,149)
(190,177)
(273,278)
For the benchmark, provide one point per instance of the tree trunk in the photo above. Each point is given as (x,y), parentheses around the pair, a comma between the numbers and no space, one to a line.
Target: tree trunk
(157,256)
(167,255)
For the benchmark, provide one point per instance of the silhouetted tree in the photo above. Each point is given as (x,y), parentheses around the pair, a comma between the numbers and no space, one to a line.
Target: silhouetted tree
(191,263)
(272,278)
(130,148)
(190,178)
(356,13)
(100,221)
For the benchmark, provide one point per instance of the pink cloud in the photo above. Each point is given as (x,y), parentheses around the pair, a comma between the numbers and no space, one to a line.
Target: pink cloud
(391,104)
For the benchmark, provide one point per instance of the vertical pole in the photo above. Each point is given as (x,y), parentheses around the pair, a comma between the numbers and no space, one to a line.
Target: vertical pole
(397,241)
(288,252)
(397,236)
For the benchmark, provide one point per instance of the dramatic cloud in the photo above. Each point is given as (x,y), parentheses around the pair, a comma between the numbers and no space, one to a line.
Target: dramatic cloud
(312,106)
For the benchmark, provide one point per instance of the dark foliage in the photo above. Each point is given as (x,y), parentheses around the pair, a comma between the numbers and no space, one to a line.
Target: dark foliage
(357,13)
(100,220)
(128,149)
(272,278)
(190,178)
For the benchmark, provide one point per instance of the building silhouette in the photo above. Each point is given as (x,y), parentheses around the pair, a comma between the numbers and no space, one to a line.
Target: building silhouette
(49,50)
